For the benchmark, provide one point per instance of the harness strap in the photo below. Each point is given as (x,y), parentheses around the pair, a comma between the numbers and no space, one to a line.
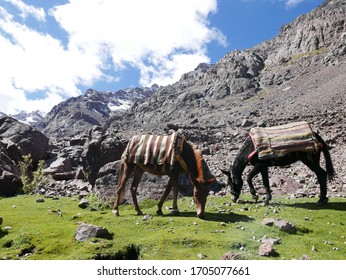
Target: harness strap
(182,163)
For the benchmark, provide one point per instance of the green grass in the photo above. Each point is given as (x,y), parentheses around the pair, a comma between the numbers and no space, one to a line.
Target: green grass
(46,230)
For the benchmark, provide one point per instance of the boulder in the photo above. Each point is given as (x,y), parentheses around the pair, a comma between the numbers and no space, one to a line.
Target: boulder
(107,181)
(87,231)
(10,181)
(28,140)
(267,250)
(84,203)
(282,224)
(102,149)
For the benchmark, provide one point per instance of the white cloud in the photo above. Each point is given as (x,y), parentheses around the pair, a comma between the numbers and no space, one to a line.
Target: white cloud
(287,3)
(26,10)
(292,3)
(33,62)
(145,34)
(163,39)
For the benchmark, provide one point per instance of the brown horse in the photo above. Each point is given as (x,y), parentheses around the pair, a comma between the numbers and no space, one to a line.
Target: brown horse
(164,155)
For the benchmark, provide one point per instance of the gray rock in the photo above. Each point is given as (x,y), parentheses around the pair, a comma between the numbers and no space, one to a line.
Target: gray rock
(84,203)
(29,140)
(231,256)
(267,250)
(282,224)
(272,241)
(268,221)
(202,256)
(286,226)
(87,231)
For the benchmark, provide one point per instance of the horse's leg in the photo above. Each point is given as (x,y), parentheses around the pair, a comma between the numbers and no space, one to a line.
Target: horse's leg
(256,169)
(138,173)
(313,163)
(124,174)
(265,178)
(164,196)
(175,186)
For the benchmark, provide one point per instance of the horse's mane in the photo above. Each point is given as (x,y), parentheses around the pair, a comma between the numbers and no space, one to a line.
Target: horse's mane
(203,172)
(244,146)
(196,151)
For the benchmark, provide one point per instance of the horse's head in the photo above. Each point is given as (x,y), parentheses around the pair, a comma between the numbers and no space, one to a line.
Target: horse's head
(234,183)
(202,179)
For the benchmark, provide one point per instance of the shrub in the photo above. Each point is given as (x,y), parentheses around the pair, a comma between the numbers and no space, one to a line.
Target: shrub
(38,179)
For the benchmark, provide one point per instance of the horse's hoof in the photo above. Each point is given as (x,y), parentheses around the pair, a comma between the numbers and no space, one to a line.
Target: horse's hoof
(175,213)
(255,198)
(201,216)
(159,212)
(115,213)
(322,202)
(140,213)
(266,203)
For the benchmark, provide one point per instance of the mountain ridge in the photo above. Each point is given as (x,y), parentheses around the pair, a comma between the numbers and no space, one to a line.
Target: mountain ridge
(78,114)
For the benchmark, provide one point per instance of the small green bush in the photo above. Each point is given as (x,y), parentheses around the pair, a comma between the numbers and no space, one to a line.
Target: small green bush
(38,178)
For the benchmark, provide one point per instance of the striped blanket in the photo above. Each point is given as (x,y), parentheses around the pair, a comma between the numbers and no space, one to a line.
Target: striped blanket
(153,149)
(277,141)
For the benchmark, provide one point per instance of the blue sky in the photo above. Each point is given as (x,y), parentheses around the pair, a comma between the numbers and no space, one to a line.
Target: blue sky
(53,50)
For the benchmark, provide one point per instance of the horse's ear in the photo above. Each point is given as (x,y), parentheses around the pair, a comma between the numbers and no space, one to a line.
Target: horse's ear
(227,173)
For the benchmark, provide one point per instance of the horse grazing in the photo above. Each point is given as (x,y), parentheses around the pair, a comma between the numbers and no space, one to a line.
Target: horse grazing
(164,155)
(280,146)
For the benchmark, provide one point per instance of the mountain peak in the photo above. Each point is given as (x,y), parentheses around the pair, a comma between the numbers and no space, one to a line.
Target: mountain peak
(78,114)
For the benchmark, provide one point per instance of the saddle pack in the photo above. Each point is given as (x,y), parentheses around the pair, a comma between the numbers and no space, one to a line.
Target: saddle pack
(277,141)
(159,150)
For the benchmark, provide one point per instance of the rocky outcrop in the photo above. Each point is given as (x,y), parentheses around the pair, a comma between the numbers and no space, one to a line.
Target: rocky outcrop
(101,149)
(28,140)
(16,140)
(10,182)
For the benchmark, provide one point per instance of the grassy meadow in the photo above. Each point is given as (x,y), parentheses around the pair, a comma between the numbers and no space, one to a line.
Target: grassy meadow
(46,230)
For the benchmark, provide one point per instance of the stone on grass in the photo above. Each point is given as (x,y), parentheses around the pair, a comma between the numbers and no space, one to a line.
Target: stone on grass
(286,226)
(282,224)
(267,250)
(231,256)
(84,203)
(202,256)
(86,231)
(266,239)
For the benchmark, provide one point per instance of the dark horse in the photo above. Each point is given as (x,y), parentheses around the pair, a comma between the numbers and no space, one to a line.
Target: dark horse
(188,160)
(310,159)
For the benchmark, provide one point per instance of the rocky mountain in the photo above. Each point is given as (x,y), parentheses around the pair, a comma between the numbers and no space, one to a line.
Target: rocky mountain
(30,118)
(78,114)
(298,75)
(314,44)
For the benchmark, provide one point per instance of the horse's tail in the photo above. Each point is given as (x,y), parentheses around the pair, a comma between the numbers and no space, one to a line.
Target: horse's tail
(329,164)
